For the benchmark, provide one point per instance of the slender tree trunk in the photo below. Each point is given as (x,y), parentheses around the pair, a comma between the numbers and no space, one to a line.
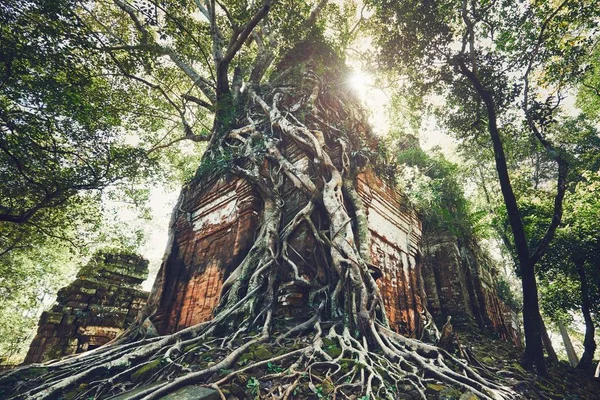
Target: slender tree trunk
(573,360)
(589,343)
(547,342)
(534,349)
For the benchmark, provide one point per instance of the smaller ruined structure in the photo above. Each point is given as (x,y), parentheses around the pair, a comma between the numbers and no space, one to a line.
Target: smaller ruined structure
(92,310)
(460,281)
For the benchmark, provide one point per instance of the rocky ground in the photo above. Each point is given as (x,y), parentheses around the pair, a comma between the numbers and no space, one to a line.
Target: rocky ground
(263,371)
(563,382)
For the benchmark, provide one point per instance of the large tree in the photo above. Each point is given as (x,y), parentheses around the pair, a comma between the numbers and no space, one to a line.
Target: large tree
(68,125)
(502,69)
(263,76)
(60,113)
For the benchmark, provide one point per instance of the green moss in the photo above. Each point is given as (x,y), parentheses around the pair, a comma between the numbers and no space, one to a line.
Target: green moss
(450,394)
(190,347)
(334,351)
(435,387)
(70,395)
(516,367)
(487,360)
(262,353)
(245,358)
(347,364)
(146,369)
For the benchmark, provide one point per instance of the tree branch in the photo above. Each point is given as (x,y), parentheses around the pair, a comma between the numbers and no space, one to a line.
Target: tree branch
(198,101)
(236,44)
(557,215)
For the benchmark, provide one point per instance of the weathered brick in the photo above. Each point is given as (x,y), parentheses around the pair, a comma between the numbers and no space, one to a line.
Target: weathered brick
(92,309)
(460,281)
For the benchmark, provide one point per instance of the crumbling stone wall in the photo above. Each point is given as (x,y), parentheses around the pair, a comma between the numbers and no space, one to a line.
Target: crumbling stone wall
(460,282)
(92,310)
(214,225)
(395,239)
(214,230)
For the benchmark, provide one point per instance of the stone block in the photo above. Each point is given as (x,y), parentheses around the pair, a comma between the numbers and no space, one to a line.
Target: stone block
(90,291)
(90,311)
(64,331)
(52,318)
(76,305)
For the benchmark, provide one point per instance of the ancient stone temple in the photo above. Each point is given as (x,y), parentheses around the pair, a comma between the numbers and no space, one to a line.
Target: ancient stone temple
(460,282)
(215,228)
(92,310)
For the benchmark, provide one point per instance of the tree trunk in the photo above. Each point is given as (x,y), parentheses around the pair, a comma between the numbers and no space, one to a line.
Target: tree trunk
(568,345)
(534,349)
(589,344)
(547,342)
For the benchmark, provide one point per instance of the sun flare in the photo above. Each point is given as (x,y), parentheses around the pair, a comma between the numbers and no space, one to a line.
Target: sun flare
(360,81)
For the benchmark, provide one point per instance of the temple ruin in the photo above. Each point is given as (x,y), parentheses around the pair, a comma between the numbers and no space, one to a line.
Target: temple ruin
(214,229)
(93,309)
(217,230)
(460,281)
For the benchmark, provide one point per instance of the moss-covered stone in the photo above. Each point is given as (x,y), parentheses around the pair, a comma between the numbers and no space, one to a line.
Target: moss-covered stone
(145,370)
(435,387)
(93,309)
(262,353)
(333,350)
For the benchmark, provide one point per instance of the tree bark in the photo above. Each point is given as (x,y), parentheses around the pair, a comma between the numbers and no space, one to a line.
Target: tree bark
(547,342)
(589,344)
(534,349)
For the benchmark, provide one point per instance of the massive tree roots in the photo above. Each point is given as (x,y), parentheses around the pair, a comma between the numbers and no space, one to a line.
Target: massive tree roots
(329,364)
(312,138)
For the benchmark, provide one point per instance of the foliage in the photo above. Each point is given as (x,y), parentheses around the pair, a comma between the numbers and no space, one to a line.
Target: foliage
(507,294)
(432,184)
(60,117)
(588,95)
(559,297)
(577,242)
(76,138)
(27,284)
